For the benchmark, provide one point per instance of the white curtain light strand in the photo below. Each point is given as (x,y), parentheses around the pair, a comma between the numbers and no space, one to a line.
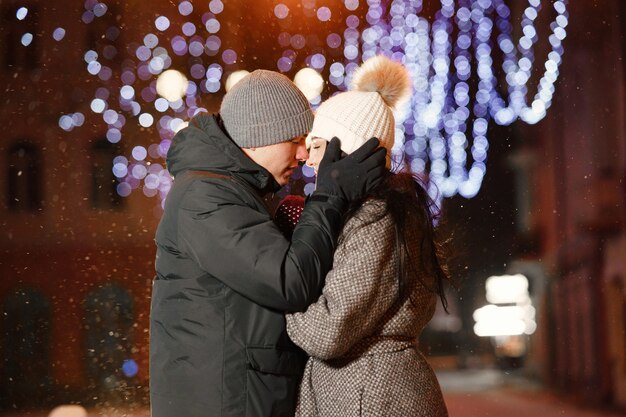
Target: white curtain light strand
(434,133)
(441,132)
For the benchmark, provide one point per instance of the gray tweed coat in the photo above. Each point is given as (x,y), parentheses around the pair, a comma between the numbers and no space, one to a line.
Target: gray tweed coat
(361,338)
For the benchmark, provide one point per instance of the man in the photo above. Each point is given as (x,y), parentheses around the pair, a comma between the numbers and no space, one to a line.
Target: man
(225,273)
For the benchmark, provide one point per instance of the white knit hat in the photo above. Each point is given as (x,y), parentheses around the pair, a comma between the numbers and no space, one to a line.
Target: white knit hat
(379,86)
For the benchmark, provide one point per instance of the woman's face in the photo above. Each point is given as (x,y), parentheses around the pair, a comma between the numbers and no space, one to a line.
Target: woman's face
(316,153)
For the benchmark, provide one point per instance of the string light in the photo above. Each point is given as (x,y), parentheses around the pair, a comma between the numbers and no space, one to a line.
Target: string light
(434,135)
(441,132)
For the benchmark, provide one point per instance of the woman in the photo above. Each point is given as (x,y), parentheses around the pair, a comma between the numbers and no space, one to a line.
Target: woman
(362,332)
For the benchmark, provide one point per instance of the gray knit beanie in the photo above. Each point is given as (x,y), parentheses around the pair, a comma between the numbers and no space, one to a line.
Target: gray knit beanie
(265,108)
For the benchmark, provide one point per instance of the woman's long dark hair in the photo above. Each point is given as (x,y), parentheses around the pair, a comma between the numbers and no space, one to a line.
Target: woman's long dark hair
(410,206)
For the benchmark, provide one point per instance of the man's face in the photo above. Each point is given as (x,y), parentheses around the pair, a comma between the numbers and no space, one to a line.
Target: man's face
(280,159)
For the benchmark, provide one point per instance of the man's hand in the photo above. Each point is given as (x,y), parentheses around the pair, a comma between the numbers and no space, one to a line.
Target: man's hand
(354,176)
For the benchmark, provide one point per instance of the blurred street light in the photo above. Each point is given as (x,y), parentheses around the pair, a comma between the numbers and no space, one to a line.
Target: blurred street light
(511,312)
(171,85)
(234,78)
(68,411)
(310,82)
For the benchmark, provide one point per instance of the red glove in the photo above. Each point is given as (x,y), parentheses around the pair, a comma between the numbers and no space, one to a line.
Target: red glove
(288,213)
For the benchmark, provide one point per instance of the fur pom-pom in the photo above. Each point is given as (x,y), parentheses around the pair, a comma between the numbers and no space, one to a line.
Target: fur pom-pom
(382,75)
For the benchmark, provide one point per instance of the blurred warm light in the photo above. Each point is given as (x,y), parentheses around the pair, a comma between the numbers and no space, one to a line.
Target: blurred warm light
(515,317)
(234,78)
(492,320)
(181,126)
(68,411)
(171,85)
(449,138)
(507,289)
(310,82)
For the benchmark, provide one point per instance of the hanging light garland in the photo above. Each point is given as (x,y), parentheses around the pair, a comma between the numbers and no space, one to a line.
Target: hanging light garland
(442,132)
(433,135)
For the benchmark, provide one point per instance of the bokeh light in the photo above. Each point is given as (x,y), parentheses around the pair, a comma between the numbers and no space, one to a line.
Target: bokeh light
(234,78)
(216,6)
(21,13)
(72,410)
(351,4)
(58,34)
(130,368)
(162,23)
(27,38)
(284,64)
(171,85)
(281,11)
(333,40)
(310,82)
(229,56)
(185,8)
(452,59)
(146,120)
(324,14)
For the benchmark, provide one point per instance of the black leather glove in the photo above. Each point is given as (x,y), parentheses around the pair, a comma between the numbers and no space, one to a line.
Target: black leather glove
(354,176)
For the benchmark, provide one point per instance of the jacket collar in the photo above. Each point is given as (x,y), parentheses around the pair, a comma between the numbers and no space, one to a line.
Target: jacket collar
(206,146)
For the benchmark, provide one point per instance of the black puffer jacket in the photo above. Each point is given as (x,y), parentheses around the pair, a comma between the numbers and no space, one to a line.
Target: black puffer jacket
(225,277)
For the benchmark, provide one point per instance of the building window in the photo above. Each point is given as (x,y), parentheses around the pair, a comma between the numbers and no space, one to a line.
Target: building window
(104,183)
(24,182)
(26,377)
(108,327)
(20,38)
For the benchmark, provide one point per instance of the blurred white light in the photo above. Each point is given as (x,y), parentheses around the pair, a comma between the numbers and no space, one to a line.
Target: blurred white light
(78,119)
(110,116)
(139,171)
(127,92)
(21,13)
(162,23)
(492,320)
(161,104)
(337,69)
(139,153)
(351,4)
(171,85)
(97,105)
(216,6)
(470,188)
(146,120)
(310,82)
(281,11)
(68,411)
(94,67)
(212,25)
(507,289)
(90,56)
(66,123)
(120,170)
(430,117)
(499,328)
(324,14)
(177,124)
(234,78)
(27,38)
(58,34)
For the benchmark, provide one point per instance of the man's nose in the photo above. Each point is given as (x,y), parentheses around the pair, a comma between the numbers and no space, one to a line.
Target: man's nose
(302,154)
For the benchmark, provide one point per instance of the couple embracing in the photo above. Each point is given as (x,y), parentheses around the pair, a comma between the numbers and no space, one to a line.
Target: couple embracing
(250,319)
